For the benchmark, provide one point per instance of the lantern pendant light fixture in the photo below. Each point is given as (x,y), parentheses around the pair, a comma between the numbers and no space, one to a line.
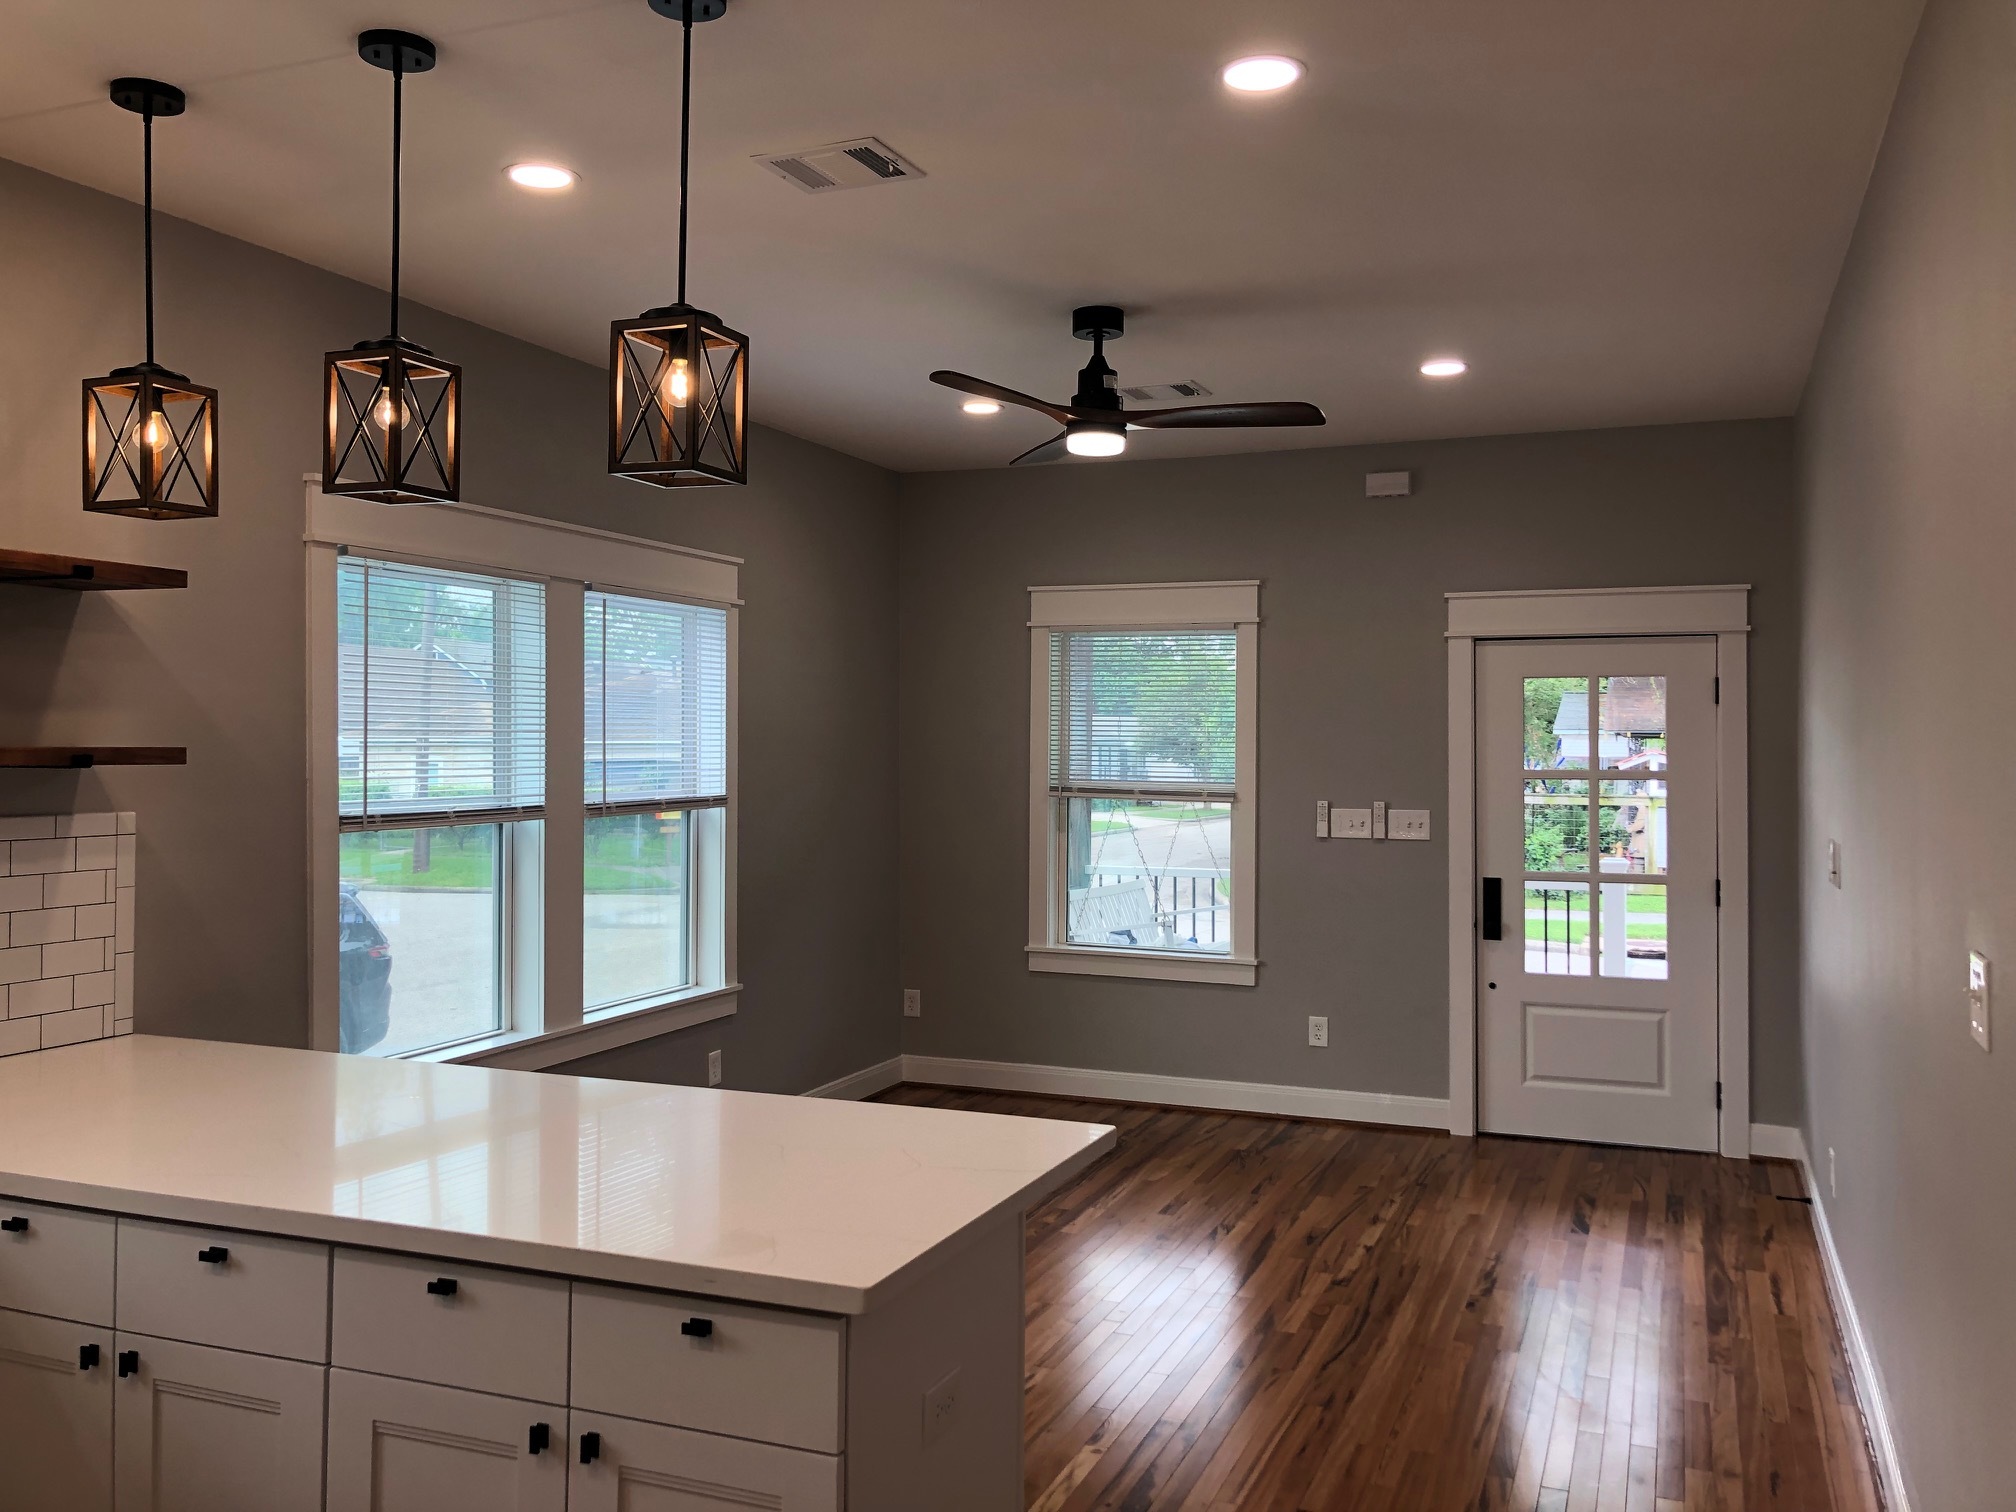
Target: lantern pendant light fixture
(679,377)
(150,436)
(392,428)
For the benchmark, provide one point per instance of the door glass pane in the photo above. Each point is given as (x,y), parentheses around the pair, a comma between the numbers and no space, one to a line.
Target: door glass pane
(1557,723)
(1633,722)
(1148,874)
(1633,929)
(1557,928)
(633,943)
(1631,825)
(1557,825)
(418,937)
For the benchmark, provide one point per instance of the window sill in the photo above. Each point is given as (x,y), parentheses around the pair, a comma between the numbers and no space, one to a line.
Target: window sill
(609,1030)
(1152,965)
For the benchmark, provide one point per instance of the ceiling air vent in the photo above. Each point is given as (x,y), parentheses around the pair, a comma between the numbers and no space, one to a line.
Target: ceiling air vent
(842,165)
(1162,393)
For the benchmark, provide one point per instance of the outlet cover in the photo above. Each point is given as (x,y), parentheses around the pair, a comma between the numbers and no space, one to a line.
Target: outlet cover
(1350,824)
(1407,824)
(1319,1030)
(941,1407)
(1977,997)
(1322,818)
(913,1002)
(713,1068)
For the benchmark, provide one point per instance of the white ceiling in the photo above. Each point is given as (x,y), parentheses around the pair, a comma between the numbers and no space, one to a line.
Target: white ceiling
(1619,211)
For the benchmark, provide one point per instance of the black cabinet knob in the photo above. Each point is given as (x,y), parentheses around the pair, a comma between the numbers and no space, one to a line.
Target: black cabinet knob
(129,1363)
(87,1357)
(443,1286)
(591,1448)
(15,1225)
(698,1328)
(216,1254)
(538,1440)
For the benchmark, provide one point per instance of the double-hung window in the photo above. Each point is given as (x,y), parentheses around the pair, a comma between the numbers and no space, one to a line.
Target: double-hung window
(1141,822)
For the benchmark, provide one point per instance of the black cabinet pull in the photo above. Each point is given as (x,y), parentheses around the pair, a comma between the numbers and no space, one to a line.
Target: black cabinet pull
(129,1363)
(537,1441)
(216,1254)
(591,1448)
(443,1286)
(15,1225)
(87,1356)
(1492,926)
(698,1328)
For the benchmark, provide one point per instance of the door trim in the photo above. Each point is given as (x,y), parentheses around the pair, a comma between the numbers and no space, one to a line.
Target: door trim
(1722,611)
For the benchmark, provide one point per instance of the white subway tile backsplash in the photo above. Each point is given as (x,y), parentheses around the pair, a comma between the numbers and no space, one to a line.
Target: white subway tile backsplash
(41,926)
(27,856)
(122,930)
(97,990)
(21,965)
(128,821)
(129,853)
(20,1035)
(67,889)
(20,892)
(70,1028)
(87,824)
(73,958)
(96,921)
(66,928)
(28,999)
(122,983)
(29,827)
(97,852)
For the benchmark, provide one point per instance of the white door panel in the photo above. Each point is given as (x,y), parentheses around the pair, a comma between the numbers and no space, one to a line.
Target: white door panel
(1596,826)
(400,1446)
(55,1415)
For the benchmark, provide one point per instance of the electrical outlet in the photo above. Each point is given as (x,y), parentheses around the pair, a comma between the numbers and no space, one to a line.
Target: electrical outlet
(941,1406)
(913,1002)
(1319,1031)
(1350,824)
(1977,997)
(1834,862)
(1832,1189)
(1322,818)
(1407,824)
(713,1068)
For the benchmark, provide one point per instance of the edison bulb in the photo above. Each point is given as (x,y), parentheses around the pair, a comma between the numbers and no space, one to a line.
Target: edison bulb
(150,432)
(679,382)
(389,412)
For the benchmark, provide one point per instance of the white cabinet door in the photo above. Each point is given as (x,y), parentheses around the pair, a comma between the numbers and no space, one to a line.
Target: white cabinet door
(399,1446)
(615,1465)
(55,1415)
(212,1430)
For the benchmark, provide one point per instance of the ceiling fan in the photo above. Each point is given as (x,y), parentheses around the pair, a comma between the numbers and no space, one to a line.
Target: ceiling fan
(1096,422)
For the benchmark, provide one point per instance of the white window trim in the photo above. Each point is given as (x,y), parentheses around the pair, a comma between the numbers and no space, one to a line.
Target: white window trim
(568,559)
(1233,605)
(1720,610)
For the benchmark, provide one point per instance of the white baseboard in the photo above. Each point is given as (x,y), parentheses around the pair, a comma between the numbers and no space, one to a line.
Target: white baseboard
(863,1083)
(1779,1142)
(1182,1091)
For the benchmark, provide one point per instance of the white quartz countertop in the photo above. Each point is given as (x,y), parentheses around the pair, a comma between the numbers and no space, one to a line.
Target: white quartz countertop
(795,1201)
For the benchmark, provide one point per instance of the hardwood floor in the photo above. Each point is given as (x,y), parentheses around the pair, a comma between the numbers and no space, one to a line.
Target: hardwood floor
(1246,1313)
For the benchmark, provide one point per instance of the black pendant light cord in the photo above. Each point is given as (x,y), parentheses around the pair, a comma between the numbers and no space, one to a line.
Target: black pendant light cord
(398,131)
(685,139)
(147,217)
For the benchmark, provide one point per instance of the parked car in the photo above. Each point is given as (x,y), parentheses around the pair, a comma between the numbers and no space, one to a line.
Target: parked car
(365,975)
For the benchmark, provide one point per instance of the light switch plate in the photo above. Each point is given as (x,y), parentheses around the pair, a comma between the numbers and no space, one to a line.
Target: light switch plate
(1322,818)
(1407,824)
(1379,820)
(1977,997)
(1350,824)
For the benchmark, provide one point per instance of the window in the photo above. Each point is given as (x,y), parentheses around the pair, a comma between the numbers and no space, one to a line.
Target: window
(1142,815)
(440,753)
(471,672)
(656,723)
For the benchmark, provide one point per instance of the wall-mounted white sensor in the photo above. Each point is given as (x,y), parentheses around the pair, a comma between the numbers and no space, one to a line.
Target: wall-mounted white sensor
(1389,485)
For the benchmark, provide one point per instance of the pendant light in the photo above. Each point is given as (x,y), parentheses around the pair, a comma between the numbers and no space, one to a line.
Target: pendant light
(393,422)
(679,377)
(150,436)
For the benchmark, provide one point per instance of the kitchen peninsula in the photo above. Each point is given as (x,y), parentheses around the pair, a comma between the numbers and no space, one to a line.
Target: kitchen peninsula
(275,1275)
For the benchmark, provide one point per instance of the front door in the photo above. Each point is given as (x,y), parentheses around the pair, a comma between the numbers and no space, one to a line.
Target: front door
(1596,825)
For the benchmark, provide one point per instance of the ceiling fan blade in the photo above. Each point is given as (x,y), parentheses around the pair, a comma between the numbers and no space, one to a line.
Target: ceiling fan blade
(1050,451)
(980,388)
(1226,416)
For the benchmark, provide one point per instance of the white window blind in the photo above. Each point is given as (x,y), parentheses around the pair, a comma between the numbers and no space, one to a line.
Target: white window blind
(657,702)
(1152,712)
(441,694)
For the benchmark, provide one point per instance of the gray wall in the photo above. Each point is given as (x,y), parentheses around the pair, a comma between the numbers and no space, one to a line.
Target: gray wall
(1909,542)
(1353,707)
(218,667)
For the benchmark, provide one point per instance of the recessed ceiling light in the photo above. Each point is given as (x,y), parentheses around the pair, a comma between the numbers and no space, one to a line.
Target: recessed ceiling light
(981,407)
(1444,367)
(540,176)
(1261,75)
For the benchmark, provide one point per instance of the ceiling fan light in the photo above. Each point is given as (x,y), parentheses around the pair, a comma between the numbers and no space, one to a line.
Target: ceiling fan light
(981,407)
(1094,439)
(1261,74)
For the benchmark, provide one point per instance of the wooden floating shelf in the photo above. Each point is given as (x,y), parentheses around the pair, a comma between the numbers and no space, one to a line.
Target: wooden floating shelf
(80,757)
(35,569)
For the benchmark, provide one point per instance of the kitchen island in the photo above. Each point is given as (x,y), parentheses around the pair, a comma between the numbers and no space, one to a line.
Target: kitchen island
(235,1276)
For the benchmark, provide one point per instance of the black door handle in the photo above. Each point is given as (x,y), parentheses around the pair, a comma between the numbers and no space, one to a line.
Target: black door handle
(591,1448)
(698,1328)
(539,1439)
(442,1286)
(129,1363)
(1492,925)
(87,1356)
(216,1254)
(15,1225)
